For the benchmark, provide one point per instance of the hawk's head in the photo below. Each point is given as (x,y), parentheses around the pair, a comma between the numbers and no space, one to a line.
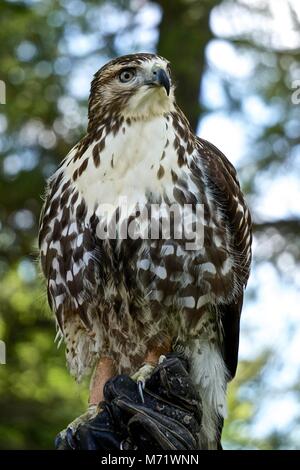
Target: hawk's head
(136,86)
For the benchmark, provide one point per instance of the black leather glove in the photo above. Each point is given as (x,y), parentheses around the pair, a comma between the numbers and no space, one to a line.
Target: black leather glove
(167,416)
(170,416)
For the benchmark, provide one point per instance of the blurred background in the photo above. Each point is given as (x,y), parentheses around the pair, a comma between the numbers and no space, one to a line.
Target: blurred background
(237,69)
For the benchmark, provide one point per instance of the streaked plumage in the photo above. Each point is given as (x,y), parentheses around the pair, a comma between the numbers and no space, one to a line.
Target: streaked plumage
(122,297)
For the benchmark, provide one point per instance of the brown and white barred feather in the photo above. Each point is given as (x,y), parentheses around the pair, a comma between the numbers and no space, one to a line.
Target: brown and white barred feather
(124,297)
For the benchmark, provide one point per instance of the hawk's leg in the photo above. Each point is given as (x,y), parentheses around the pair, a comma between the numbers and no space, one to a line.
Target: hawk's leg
(104,371)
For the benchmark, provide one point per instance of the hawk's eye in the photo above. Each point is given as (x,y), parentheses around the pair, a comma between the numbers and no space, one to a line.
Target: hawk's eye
(126,75)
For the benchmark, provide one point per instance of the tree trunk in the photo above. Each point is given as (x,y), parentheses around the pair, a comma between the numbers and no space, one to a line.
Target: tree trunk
(184,33)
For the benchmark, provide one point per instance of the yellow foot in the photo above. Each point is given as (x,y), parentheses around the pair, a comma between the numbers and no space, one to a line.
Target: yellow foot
(143,373)
(82,419)
(141,376)
(74,425)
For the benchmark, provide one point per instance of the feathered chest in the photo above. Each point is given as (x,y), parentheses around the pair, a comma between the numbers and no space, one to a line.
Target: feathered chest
(138,160)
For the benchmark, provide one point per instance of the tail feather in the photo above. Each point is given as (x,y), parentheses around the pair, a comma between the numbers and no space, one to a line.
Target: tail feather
(210,376)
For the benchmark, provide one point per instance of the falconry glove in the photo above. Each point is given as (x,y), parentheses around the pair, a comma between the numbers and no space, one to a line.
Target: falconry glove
(167,416)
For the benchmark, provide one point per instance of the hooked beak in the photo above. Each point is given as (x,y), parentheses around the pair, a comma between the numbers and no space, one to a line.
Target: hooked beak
(160,78)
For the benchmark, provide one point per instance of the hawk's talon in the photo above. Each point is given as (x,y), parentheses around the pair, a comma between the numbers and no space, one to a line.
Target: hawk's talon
(161,359)
(141,376)
(70,437)
(68,434)
(143,373)
(59,440)
(141,386)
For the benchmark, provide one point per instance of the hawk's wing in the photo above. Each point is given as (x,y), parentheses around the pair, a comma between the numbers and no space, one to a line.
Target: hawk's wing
(222,181)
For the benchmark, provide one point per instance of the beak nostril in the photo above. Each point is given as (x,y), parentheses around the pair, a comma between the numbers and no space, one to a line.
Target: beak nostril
(160,77)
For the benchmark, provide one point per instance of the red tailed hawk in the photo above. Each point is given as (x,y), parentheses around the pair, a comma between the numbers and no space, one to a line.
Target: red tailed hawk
(121,301)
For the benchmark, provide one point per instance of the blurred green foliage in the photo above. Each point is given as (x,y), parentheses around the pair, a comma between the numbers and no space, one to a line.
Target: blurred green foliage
(45,115)
(38,396)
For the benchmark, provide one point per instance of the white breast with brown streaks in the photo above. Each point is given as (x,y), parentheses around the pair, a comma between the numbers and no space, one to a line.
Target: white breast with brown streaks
(129,167)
